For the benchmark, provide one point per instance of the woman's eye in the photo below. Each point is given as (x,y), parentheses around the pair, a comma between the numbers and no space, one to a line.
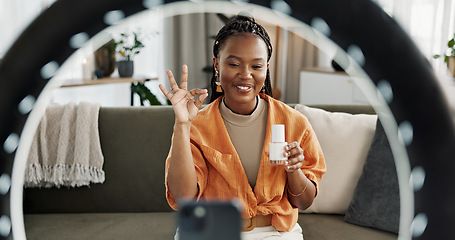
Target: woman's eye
(257,66)
(233,64)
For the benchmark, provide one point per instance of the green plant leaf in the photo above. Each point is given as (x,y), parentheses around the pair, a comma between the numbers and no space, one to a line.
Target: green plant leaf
(144,93)
(451,43)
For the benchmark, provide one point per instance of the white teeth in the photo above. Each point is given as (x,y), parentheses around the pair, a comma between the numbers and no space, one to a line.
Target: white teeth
(243,87)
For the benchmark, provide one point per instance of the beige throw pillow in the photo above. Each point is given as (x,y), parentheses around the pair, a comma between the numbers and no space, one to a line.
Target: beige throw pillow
(345,140)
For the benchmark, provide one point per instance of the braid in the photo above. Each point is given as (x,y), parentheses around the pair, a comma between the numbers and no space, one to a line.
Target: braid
(240,24)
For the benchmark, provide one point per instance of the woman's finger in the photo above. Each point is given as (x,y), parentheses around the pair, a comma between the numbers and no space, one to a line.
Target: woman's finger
(294,163)
(296,160)
(184,79)
(193,93)
(197,91)
(165,92)
(292,168)
(174,86)
(295,152)
(293,149)
(201,98)
(292,145)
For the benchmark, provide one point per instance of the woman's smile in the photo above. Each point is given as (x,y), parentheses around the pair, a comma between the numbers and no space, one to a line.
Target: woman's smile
(244,88)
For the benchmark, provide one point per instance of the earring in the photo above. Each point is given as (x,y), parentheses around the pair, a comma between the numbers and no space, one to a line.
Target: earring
(217,82)
(218,86)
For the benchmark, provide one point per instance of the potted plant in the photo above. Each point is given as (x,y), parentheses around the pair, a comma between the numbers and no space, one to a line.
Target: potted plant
(449,56)
(128,46)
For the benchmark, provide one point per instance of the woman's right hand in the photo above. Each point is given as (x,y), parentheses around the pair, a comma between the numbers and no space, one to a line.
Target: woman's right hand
(185,108)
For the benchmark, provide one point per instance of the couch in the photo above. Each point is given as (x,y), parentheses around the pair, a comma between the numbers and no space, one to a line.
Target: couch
(131,203)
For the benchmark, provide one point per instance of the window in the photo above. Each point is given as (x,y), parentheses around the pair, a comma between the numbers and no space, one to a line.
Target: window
(429,23)
(15,16)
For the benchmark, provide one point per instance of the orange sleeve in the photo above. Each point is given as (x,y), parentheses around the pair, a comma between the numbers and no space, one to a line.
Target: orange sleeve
(201,169)
(201,174)
(314,165)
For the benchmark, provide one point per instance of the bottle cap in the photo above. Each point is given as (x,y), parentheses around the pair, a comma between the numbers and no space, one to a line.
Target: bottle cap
(278,133)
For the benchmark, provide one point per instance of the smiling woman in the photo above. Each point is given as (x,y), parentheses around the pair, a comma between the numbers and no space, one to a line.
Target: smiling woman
(243,55)
(420,111)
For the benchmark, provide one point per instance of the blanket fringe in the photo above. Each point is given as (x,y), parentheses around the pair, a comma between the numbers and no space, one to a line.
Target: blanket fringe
(60,175)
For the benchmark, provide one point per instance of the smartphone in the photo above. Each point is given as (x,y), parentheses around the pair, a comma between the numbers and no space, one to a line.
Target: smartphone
(208,220)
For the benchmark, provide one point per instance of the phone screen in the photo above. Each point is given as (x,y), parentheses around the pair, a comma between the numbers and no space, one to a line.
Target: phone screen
(208,220)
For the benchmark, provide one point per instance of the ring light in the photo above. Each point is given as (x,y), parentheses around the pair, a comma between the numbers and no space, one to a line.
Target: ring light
(370,37)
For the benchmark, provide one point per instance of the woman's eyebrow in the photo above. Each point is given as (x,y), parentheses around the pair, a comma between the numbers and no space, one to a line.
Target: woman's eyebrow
(232,56)
(239,58)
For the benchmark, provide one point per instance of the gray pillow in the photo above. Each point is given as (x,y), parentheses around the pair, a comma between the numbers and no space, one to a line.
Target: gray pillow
(376,201)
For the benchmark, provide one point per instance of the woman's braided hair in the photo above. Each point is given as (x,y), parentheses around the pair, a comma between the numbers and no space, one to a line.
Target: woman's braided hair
(240,24)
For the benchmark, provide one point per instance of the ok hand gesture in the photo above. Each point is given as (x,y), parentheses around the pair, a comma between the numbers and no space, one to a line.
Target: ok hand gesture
(185,108)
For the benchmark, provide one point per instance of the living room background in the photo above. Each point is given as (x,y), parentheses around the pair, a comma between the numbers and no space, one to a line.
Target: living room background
(429,23)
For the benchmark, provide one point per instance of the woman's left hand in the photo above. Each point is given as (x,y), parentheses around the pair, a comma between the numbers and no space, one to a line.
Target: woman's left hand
(301,191)
(294,153)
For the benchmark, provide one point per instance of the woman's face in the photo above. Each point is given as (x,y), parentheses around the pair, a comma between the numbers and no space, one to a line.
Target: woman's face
(242,69)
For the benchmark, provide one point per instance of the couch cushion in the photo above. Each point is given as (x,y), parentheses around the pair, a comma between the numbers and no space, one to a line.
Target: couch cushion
(100,226)
(345,140)
(159,226)
(135,142)
(376,201)
(332,227)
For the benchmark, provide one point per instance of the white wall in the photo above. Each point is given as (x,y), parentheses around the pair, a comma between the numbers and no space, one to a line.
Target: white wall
(148,64)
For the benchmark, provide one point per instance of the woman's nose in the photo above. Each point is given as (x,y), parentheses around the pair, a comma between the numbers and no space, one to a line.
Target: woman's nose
(245,73)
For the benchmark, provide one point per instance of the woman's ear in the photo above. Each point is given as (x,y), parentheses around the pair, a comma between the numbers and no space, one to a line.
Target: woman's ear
(215,63)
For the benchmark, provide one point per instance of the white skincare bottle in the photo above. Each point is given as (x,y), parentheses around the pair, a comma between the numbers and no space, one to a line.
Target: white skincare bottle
(277,145)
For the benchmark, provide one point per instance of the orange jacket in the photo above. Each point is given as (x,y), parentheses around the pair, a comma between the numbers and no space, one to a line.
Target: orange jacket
(220,174)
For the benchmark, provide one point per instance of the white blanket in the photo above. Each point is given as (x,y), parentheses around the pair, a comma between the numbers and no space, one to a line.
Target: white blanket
(66,149)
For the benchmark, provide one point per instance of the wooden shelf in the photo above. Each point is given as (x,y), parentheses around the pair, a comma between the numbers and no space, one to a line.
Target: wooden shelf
(80,82)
